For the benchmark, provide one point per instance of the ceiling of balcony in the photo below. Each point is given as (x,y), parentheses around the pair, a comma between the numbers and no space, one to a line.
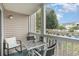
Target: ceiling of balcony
(23,8)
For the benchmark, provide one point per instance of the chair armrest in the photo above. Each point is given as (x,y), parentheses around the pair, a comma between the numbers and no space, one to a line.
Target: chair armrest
(52,47)
(6,45)
(19,42)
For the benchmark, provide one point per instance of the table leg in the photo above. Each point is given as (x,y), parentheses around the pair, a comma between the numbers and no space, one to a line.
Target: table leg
(32,52)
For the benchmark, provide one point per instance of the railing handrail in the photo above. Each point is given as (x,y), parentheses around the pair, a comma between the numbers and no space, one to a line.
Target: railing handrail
(59,36)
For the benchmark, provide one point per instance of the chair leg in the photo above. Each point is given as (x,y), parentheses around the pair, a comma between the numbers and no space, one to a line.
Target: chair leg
(4,48)
(4,52)
(44,53)
(21,48)
(8,52)
(17,49)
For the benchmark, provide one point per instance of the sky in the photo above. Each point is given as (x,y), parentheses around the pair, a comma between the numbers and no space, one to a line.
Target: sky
(66,12)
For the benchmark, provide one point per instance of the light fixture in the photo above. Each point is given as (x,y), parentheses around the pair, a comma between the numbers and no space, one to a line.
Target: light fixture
(10,16)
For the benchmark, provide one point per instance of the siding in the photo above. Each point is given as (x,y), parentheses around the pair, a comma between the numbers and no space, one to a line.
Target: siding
(18,26)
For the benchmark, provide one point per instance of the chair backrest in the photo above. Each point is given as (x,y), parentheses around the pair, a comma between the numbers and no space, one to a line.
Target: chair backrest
(30,38)
(41,38)
(50,50)
(11,42)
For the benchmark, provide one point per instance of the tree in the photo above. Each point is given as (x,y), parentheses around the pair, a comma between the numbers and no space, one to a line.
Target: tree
(61,27)
(74,27)
(38,20)
(51,19)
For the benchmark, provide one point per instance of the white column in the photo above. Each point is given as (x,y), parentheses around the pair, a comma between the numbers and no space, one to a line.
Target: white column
(35,23)
(43,24)
(43,27)
(43,21)
(29,23)
(2,29)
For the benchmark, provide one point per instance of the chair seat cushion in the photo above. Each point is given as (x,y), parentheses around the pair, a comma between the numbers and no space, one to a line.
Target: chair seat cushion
(11,42)
(12,46)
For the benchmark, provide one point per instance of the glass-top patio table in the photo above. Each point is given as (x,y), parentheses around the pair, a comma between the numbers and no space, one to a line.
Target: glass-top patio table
(30,45)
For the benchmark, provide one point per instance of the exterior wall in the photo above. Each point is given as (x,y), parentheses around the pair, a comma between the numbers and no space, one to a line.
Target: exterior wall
(16,27)
(1,28)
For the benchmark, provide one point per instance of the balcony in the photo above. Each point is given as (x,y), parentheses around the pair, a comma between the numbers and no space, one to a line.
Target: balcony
(23,24)
(66,46)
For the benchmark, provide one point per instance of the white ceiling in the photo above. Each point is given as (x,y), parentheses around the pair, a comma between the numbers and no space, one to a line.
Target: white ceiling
(23,8)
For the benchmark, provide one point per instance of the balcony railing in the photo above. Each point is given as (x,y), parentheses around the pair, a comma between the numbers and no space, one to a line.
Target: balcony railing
(66,46)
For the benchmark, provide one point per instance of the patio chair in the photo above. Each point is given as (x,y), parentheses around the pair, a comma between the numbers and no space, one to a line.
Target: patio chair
(10,43)
(30,38)
(49,51)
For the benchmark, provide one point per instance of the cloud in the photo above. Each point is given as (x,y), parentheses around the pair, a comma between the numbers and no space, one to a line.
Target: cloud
(65,7)
(59,16)
(77,4)
(52,4)
(69,7)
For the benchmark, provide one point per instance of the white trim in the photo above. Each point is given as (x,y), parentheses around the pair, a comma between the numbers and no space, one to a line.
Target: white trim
(1,32)
(43,27)
(43,21)
(2,29)
(35,22)
(29,22)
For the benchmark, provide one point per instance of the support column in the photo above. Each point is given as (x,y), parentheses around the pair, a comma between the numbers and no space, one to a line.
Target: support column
(43,21)
(0,32)
(2,29)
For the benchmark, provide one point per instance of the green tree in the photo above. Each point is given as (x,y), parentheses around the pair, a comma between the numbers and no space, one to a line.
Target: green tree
(61,27)
(75,27)
(71,29)
(51,19)
(38,20)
